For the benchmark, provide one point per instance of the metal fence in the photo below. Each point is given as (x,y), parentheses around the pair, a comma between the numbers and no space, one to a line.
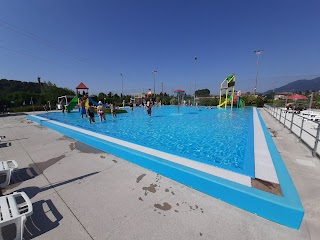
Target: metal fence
(305,129)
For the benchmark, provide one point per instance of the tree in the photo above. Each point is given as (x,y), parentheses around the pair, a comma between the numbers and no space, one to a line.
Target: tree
(203,93)
(102,96)
(249,99)
(307,93)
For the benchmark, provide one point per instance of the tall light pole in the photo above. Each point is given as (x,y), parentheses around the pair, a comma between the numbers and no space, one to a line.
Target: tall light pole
(274,86)
(154,83)
(195,80)
(121,84)
(257,52)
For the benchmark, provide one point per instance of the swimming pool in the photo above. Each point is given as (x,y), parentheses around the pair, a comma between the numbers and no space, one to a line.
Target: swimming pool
(230,186)
(221,138)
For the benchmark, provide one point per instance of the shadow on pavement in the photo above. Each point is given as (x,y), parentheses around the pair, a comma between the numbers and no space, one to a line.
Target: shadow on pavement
(23,174)
(45,217)
(5,144)
(33,191)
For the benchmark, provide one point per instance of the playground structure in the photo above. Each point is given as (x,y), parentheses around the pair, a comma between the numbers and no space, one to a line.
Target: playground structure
(75,101)
(66,99)
(229,83)
(180,97)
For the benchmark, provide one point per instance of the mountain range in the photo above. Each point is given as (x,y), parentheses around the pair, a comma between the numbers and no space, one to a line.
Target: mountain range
(299,86)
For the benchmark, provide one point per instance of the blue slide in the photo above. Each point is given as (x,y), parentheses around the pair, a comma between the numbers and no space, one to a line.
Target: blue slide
(96,104)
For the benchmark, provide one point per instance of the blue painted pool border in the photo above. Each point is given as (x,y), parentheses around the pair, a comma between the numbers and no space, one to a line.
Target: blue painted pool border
(283,210)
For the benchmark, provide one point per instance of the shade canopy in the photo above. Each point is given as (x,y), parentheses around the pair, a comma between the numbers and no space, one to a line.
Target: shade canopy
(297,96)
(179,91)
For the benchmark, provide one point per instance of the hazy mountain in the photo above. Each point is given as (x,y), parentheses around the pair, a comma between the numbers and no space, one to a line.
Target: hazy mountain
(299,85)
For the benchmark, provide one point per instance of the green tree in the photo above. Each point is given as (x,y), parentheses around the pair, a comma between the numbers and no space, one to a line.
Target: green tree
(203,93)
(102,96)
(249,99)
(259,102)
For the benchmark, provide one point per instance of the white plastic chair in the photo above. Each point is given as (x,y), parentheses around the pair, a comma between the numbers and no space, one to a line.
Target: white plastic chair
(6,167)
(11,212)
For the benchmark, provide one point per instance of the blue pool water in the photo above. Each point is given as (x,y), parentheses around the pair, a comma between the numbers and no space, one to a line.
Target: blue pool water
(222,138)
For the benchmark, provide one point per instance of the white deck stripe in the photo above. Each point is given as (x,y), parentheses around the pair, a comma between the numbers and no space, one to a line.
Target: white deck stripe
(219,172)
(264,168)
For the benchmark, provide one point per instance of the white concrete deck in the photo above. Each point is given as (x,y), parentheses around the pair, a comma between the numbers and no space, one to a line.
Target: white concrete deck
(264,168)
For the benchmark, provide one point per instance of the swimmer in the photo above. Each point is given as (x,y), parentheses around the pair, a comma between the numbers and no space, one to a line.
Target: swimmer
(101,112)
(91,113)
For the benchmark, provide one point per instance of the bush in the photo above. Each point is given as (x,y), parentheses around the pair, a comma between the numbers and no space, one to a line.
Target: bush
(259,102)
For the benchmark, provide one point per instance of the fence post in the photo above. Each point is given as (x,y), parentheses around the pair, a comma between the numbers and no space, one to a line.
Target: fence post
(316,141)
(291,123)
(301,129)
(285,118)
(280,116)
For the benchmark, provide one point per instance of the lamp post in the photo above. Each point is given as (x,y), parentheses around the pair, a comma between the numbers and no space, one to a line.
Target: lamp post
(195,80)
(257,52)
(154,83)
(274,86)
(121,84)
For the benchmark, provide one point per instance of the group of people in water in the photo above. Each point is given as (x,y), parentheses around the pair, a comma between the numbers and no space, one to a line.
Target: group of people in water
(88,110)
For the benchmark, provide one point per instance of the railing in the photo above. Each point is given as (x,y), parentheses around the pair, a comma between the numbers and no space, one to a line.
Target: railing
(306,130)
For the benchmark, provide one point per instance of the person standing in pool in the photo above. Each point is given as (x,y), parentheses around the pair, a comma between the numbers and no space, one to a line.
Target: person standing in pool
(131,106)
(149,107)
(113,109)
(83,107)
(63,105)
(101,112)
(91,113)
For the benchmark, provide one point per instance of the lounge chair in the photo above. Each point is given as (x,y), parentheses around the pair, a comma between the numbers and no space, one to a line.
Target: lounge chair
(6,168)
(12,212)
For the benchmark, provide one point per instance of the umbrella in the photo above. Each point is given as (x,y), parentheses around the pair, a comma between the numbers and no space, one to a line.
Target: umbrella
(296,97)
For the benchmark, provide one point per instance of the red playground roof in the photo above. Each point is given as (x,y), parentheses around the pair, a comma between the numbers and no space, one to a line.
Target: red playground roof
(82,86)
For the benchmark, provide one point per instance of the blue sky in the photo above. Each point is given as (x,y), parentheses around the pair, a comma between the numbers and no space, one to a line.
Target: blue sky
(67,42)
